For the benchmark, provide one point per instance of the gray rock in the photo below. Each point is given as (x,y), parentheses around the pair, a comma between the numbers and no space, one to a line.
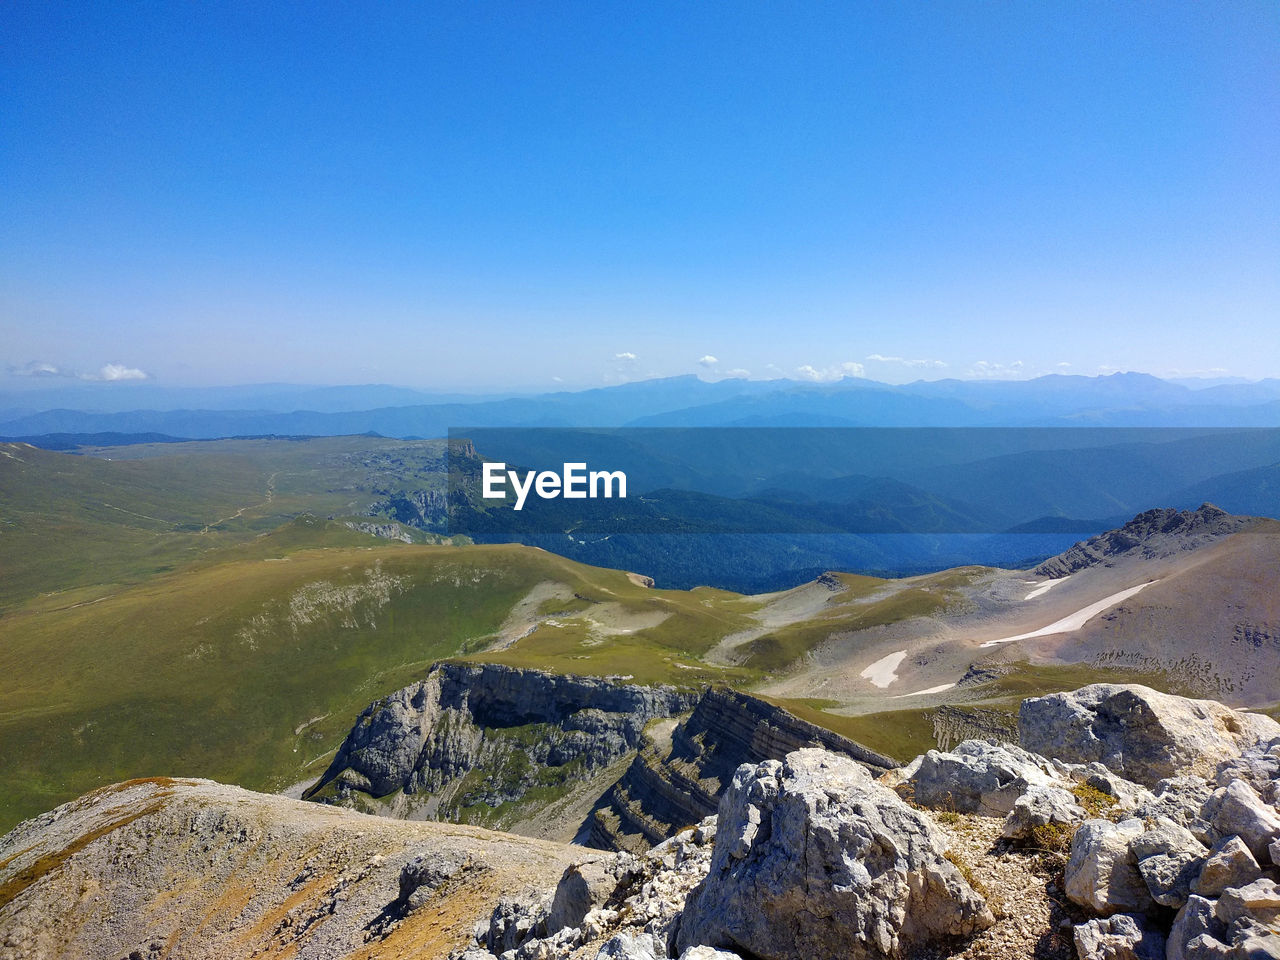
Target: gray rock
(515,920)
(1195,933)
(813,858)
(588,884)
(1039,807)
(1121,937)
(1169,859)
(424,875)
(474,953)
(977,777)
(1169,878)
(1237,809)
(1178,799)
(708,953)
(1274,850)
(1140,733)
(1258,766)
(1258,901)
(624,946)
(1229,864)
(1255,941)
(1102,873)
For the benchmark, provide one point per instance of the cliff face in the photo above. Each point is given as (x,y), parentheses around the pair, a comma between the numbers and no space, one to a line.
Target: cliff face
(545,754)
(672,786)
(480,742)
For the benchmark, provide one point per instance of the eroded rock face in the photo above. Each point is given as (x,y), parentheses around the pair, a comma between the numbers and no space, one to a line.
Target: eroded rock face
(463,717)
(977,777)
(1140,733)
(813,858)
(1122,937)
(1229,864)
(1236,810)
(1041,807)
(1102,873)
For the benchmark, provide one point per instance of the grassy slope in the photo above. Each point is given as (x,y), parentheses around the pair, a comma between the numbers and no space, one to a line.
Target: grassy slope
(82,523)
(214,671)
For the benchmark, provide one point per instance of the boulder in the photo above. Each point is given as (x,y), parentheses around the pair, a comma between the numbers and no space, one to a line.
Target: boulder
(1040,807)
(1178,799)
(588,884)
(1237,809)
(977,777)
(516,919)
(1102,873)
(625,946)
(1169,859)
(1140,733)
(1229,864)
(1121,937)
(1258,901)
(1258,766)
(708,953)
(1196,933)
(813,858)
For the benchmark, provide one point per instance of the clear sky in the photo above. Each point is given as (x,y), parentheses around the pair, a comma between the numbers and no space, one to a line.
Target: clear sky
(499,194)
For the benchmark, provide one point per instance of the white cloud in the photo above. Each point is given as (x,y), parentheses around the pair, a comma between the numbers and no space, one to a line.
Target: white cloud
(994,370)
(737,373)
(708,361)
(847,369)
(904,362)
(1062,364)
(117,371)
(626,356)
(38,368)
(107,372)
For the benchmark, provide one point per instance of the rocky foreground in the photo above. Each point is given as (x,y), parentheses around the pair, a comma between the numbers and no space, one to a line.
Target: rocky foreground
(1124,824)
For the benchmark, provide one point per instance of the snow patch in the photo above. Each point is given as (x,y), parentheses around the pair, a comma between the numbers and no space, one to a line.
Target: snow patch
(1077,619)
(885,670)
(1044,588)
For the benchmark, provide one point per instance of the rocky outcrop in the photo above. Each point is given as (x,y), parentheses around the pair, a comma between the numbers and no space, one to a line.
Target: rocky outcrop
(384,531)
(1140,733)
(1041,809)
(510,729)
(670,786)
(1122,937)
(624,904)
(977,777)
(1150,535)
(813,858)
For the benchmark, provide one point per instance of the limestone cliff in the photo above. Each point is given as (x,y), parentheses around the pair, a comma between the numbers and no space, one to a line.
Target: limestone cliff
(481,742)
(673,785)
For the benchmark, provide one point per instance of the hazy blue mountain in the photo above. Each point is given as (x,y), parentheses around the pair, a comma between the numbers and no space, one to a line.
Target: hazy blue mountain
(1116,400)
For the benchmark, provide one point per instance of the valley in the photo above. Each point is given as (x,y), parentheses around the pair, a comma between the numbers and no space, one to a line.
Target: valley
(242,648)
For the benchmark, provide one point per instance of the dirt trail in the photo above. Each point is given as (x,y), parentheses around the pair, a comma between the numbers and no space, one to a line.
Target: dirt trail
(270,496)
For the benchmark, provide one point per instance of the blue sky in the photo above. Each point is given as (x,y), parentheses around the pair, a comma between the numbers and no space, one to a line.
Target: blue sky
(492,195)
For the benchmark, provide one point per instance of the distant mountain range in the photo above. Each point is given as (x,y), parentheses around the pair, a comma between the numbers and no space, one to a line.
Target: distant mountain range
(1122,399)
